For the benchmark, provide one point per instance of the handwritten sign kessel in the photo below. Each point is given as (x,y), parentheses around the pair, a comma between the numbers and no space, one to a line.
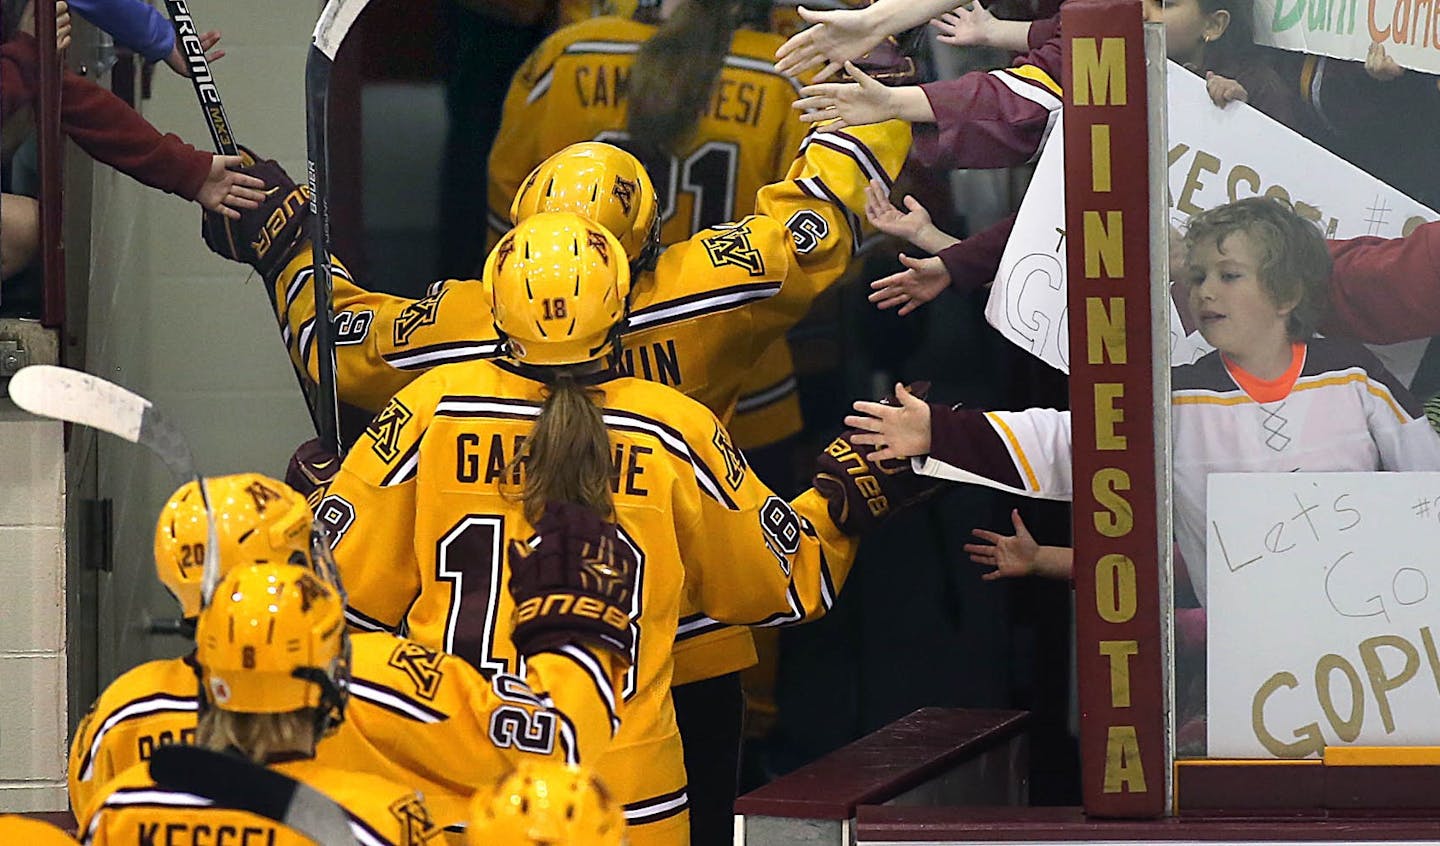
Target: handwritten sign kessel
(1323,612)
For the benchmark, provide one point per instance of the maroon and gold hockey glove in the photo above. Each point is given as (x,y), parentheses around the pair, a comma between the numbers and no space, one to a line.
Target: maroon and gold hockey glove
(263,237)
(860,494)
(886,64)
(572,583)
(312,467)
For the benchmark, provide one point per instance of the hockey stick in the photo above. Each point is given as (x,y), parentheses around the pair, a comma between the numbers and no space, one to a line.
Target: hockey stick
(236,783)
(188,39)
(77,397)
(205,91)
(335,21)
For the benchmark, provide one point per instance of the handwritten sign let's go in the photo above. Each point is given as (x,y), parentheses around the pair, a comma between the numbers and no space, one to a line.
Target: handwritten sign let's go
(1323,612)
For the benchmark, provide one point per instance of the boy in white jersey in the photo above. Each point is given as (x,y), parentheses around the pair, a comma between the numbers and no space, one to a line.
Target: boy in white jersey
(1270,398)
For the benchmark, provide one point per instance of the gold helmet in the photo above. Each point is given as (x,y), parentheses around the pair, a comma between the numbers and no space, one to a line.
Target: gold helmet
(549,803)
(559,289)
(272,640)
(602,182)
(257,521)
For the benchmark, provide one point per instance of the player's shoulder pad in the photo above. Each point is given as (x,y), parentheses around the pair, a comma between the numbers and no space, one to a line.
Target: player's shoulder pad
(685,427)
(164,676)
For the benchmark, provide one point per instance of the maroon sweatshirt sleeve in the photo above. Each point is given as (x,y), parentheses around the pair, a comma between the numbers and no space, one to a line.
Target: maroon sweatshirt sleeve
(989,119)
(1043,30)
(973,262)
(963,438)
(105,127)
(1386,290)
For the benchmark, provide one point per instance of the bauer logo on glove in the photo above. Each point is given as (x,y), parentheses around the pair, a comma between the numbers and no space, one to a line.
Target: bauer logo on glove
(860,491)
(263,237)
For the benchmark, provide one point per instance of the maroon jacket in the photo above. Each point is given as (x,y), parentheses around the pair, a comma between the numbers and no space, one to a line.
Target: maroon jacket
(980,122)
(103,125)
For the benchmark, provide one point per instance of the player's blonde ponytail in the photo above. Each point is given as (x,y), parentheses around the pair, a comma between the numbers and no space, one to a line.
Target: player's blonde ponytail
(567,456)
(674,75)
(259,737)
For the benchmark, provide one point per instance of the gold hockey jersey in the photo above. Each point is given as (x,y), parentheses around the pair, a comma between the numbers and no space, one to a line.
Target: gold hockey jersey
(699,322)
(415,717)
(424,507)
(574,88)
(134,810)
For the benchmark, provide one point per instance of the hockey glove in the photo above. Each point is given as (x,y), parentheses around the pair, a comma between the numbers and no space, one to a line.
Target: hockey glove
(572,583)
(886,64)
(263,237)
(312,468)
(860,494)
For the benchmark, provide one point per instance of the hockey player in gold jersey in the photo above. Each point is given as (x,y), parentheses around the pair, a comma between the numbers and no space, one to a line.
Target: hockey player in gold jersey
(273,657)
(415,716)
(461,461)
(700,317)
(689,86)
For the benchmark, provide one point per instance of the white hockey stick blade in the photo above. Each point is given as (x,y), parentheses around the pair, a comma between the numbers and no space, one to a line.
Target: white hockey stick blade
(335,21)
(64,394)
(78,397)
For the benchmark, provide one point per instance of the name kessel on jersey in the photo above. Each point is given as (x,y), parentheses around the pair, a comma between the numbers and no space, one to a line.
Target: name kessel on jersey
(202,834)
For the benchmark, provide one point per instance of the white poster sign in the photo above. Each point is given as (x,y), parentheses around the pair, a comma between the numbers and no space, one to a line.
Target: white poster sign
(1216,156)
(1345,29)
(1323,612)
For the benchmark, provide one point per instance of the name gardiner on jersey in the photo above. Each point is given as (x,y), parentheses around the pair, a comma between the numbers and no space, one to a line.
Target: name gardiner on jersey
(483,460)
(607,86)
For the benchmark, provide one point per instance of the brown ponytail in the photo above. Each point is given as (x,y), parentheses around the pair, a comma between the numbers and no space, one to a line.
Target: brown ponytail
(674,74)
(567,456)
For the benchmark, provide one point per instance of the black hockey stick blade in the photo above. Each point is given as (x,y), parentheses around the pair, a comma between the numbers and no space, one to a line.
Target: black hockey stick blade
(188,40)
(236,783)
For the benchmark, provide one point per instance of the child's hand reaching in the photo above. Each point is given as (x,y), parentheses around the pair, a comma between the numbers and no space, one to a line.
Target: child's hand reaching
(1224,90)
(900,431)
(914,226)
(965,27)
(176,59)
(1011,556)
(1019,555)
(1380,66)
(863,102)
(226,190)
(921,281)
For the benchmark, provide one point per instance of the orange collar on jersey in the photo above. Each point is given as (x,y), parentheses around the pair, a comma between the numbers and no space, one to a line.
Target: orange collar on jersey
(1268,390)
